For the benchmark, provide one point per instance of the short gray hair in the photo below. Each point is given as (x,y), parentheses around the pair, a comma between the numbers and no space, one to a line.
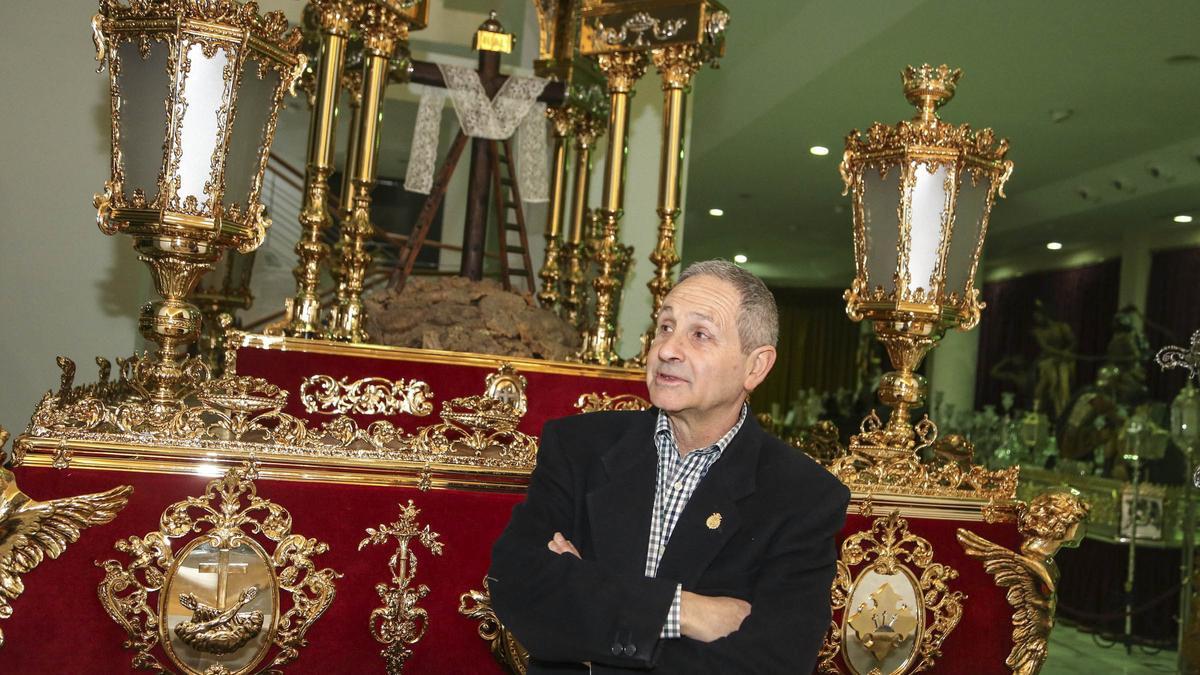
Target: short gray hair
(758,317)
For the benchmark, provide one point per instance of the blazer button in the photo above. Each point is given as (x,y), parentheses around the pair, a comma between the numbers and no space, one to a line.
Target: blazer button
(630,649)
(617,649)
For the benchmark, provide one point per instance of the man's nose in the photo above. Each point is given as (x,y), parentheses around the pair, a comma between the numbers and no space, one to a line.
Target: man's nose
(668,348)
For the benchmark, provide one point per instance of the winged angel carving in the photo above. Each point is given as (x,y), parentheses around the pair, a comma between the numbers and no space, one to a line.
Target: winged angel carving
(1050,522)
(31,530)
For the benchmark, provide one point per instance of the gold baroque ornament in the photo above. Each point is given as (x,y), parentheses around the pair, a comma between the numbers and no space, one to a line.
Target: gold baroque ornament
(897,610)
(31,530)
(503,644)
(603,401)
(1051,521)
(368,396)
(245,414)
(220,600)
(400,623)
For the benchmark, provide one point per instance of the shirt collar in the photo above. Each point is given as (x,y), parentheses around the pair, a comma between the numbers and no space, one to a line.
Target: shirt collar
(663,429)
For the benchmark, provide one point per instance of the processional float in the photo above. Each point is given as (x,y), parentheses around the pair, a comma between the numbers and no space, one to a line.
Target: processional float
(209,480)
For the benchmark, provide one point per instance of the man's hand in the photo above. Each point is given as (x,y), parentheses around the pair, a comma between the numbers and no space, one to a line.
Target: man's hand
(707,618)
(560,544)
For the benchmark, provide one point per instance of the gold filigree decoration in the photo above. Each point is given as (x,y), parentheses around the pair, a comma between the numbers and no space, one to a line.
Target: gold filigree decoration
(369,396)
(226,517)
(1051,521)
(888,548)
(603,401)
(246,414)
(905,473)
(31,531)
(507,385)
(400,623)
(271,27)
(503,644)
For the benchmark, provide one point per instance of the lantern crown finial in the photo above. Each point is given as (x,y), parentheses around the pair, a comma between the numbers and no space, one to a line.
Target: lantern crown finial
(929,88)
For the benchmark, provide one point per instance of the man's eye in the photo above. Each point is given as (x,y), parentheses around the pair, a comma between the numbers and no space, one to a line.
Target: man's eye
(700,335)
(664,328)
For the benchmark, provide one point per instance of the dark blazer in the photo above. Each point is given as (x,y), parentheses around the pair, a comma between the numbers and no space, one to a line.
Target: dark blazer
(594,482)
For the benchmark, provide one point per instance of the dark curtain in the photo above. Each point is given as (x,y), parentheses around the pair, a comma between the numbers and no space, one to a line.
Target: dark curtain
(1172,312)
(1085,298)
(817,347)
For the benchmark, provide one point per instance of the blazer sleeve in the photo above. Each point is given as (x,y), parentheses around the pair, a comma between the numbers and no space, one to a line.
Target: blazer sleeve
(790,609)
(559,607)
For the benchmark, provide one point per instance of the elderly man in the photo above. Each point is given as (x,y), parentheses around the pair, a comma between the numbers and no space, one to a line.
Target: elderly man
(683,538)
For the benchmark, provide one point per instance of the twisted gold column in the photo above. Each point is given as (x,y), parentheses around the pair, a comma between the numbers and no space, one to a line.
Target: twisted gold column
(676,65)
(622,70)
(586,128)
(382,31)
(335,17)
(551,273)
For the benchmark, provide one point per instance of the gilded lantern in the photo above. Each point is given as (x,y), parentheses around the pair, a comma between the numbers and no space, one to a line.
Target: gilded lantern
(922,191)
(195,90)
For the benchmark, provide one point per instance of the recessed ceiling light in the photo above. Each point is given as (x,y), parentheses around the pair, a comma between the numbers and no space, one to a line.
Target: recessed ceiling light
(1053,245)
(1182,218)
(716,212)
(740,259)
(819,150)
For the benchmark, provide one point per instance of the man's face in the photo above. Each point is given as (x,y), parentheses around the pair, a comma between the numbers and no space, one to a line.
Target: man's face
(696,364)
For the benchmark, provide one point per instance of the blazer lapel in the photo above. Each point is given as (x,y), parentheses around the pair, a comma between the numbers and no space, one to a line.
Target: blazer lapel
(619,510)
(711,516)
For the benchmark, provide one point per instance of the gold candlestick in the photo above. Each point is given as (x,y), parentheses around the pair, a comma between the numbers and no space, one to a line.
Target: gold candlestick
(676,65)
(382,31)
(335,18)
(622,70)
(586,128)
(551,273)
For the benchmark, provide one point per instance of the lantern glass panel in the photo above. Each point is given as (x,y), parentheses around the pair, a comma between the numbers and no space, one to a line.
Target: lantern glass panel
(255,99)
(881,224)
(205,92)
(929,213)
(1185,419)
(970,208)
(144,86)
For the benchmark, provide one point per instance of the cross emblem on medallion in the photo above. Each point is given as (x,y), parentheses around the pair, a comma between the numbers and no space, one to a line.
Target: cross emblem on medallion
(222,568)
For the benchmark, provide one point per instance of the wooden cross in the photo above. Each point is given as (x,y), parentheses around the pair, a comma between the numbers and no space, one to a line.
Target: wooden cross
(222,568)
(478,187)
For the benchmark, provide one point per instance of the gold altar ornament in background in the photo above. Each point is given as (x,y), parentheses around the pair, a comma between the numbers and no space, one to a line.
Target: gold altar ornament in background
(1051,521)
(922,191)
(400,623)
(502,643)
(31,531)
(220,605)
(368,396)
(894,615)
(195,91)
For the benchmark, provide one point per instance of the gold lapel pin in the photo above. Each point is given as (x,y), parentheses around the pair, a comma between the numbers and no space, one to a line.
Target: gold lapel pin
(714,521)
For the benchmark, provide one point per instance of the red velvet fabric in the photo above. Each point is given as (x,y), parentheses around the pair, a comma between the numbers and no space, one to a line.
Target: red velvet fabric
(550,395)
(983,638)
(58,625)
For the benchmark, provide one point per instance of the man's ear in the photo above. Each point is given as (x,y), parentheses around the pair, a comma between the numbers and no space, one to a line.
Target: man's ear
(759,363)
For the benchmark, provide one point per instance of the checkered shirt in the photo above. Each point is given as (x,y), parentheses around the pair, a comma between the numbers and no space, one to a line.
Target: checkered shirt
(677,480)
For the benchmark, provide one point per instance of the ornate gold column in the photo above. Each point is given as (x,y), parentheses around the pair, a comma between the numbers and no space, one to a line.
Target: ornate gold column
(551,273)
(382,30)
(574,297)
(335,18)
(676,65)
(622,70)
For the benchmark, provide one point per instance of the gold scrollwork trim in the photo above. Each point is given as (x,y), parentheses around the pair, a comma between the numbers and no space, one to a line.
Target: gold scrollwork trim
(1051,521)
(503,644)
(594,402)
(368,396)
(889,548)
(400,623)
(229,513)
(31,531)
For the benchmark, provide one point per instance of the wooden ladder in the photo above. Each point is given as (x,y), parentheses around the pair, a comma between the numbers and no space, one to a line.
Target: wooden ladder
(411,249)
(506,198)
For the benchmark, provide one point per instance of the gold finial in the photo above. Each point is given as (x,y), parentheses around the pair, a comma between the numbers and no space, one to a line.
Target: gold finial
(929,88)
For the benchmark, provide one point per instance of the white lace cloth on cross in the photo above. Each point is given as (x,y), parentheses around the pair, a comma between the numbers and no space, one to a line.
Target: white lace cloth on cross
(515,105)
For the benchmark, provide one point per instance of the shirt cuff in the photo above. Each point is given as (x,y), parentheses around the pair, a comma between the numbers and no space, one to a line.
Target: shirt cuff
(671,629)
